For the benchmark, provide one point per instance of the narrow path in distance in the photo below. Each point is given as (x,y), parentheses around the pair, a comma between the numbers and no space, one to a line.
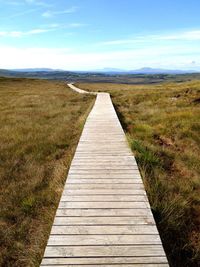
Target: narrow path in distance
(104,217)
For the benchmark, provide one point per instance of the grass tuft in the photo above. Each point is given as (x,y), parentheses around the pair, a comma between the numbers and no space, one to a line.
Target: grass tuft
(145,157)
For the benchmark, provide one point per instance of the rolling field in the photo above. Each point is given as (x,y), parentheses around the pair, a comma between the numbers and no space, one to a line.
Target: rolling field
(41,122)
(162,125)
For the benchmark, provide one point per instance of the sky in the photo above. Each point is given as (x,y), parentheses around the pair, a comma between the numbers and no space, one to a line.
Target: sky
(96,34)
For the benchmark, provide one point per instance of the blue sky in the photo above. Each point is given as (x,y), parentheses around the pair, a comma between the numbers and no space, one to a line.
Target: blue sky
(94,34)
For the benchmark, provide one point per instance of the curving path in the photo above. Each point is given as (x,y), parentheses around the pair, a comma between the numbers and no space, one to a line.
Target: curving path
(104,218)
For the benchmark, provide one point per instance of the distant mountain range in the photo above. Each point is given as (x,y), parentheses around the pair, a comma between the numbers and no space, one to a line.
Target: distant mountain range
(111,71)
(36,70)
(103,75)
(140,76)
(145,70)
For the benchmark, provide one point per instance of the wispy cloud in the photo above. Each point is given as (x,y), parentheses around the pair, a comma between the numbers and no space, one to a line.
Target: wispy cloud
(38,3)
(187,36)
(14,3)
(122,41)
(76,25)
(191,35)
(17,34)
(29,2)
(50,13)
(42,29)
(21,13)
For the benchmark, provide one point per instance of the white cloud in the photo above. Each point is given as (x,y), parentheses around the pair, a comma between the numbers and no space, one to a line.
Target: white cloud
(192,35)
(46,28)
(38,3)
(37,31)
(165,57)
(122,41)
(17,34)
(29,2)
(76,25)
(53,25)
(2,33)
(14,3)
(187,36)
(49,13)
(20,14)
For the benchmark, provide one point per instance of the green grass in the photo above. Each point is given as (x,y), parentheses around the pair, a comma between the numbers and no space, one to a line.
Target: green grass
(162,125)
(41,122)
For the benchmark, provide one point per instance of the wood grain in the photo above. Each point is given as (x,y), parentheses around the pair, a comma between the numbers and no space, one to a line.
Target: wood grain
(104,217)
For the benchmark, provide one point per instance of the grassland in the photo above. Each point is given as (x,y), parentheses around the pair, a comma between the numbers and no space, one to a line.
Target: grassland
(162,123)
(41,122)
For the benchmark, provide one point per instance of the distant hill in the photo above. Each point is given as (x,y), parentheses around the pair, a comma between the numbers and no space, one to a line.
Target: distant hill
(145,70)
(140,76)
(160,71)
(34,69)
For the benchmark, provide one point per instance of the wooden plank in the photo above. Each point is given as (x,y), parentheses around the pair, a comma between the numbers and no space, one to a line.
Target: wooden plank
(103,192)
(103,220)
(105,175)
(82,240)
(100,149)
(116,162)
(107,141)
(103,212)
(104,186)
(125,198)
(102,145)
(117,261)
(117,157)
(106,157)
(103,181)
(105,205)
(101,162)
(104,230)
(105,265)
(105,171)
(103,251)
(104,167)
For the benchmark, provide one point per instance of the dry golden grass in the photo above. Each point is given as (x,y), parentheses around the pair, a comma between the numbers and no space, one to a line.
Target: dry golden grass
(41,122)
(162,123)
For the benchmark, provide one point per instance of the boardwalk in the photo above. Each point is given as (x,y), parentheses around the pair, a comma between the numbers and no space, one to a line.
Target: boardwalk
(104,217)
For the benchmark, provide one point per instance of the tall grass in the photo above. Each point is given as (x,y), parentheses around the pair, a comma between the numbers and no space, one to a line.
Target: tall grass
(162,125)
(41,122)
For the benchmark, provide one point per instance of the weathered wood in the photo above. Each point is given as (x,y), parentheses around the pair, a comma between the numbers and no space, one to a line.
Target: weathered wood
(104,186)
(106,198)
(103,220)
(103,181)
(82,240)
(118,261)
(103,192)
(104,167)
(103,204)
(103,251)
(104,230)
(104,217)
(105,265)
(103,212)
(105,175)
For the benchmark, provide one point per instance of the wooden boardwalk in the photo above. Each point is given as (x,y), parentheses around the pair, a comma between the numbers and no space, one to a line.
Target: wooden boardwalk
(104,217)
